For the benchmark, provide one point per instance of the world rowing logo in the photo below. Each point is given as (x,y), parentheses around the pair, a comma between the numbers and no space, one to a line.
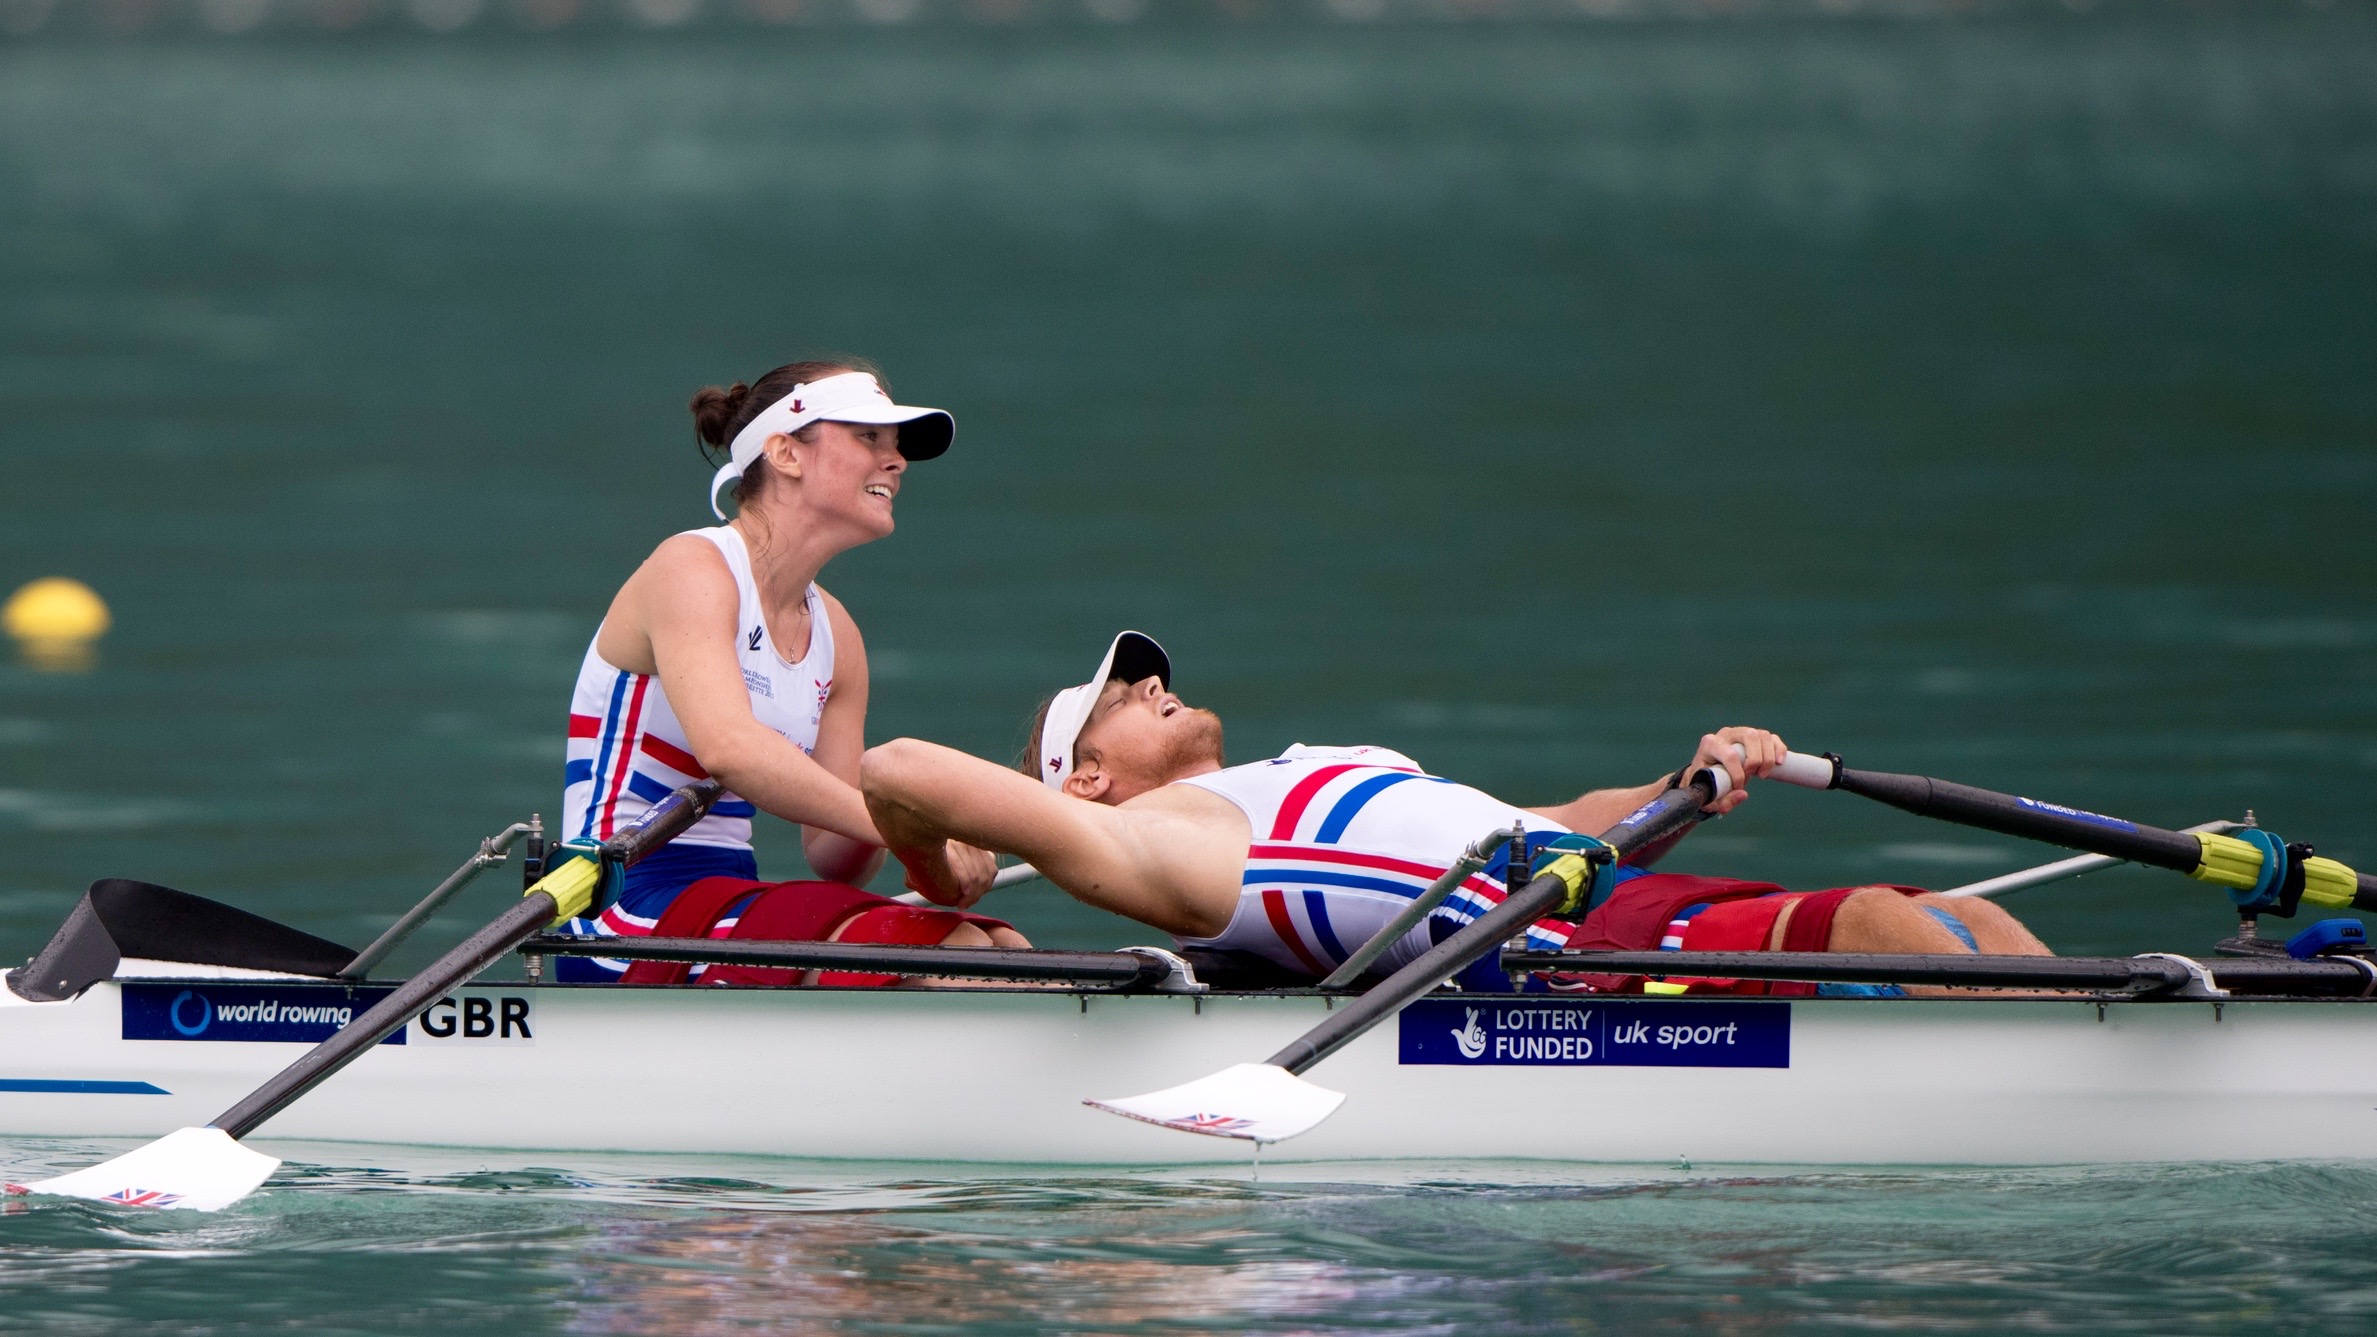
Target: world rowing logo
(1471,1038)
(143,1197)
(1214,1123)
(757,631)
(205,1012)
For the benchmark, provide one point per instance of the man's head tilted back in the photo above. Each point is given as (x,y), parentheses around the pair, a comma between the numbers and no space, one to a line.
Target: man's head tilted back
(1123,732)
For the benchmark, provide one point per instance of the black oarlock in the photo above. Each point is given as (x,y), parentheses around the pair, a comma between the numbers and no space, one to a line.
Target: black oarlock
(532,852)
(2290,886)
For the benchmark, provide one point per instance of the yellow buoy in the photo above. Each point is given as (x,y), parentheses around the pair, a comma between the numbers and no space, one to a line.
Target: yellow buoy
(54,621)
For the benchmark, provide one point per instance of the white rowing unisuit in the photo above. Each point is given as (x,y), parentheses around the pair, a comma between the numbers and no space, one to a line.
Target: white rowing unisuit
(1343,839)
(627,750)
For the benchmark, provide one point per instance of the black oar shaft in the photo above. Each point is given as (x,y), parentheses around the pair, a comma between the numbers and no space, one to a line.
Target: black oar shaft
(389,1015)
(2055,824)
(1664,816)
(661,824)
(2253,975)
(2031,819)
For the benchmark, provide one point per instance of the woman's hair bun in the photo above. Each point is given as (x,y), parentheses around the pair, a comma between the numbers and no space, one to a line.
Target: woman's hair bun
(719,414)
(715,411)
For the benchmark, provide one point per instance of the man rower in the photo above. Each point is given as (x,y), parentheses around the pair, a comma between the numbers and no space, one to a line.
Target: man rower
(1300,859)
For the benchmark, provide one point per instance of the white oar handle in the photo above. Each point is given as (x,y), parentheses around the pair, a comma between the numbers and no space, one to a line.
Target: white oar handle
(1000,881)
(1798,768)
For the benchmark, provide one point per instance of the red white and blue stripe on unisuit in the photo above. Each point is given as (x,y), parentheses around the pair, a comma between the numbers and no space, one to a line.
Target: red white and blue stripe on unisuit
(617,921)
(1310,898)
(626,753)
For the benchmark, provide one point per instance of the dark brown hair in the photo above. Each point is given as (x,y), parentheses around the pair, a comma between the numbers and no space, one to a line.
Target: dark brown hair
(718,414)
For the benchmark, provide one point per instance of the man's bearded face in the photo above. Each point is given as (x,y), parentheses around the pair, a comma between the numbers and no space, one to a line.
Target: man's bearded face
(1144,737)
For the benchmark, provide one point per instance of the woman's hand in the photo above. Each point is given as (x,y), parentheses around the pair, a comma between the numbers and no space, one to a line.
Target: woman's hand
(1740,753)
(952,873)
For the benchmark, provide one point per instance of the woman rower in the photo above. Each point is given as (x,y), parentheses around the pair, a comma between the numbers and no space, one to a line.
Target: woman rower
(721,656)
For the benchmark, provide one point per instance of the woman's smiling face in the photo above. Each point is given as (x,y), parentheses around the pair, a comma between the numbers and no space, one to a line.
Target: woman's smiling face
(848,474)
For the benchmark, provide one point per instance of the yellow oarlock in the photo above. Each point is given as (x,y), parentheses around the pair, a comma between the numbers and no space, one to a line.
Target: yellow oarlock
(2328,883)
(571,886)
(1576,872)
(2229,862)
(1665,986)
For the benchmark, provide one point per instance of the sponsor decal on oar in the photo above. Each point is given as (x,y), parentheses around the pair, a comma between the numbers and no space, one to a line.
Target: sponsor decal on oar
(201,1169)
(1262,1104)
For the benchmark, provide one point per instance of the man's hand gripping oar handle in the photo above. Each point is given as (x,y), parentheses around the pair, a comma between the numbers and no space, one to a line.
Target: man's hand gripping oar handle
(564,893)
(2260,872)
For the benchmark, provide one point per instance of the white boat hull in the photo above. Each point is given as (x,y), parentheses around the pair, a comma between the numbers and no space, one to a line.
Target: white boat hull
(998,1076)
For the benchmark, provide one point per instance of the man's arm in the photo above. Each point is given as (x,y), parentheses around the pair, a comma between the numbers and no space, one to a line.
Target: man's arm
(1165,859)
(1736,750)
(1599,810)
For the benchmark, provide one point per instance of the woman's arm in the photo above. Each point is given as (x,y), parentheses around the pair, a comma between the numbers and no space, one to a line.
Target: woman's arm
(681,607)
(841,737)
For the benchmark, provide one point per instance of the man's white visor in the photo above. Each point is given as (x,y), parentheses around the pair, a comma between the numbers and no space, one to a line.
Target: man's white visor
(1132,657)
(852,396)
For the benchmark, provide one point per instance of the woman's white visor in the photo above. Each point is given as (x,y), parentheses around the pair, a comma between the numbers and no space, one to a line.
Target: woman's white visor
(1132,657)
(852,396)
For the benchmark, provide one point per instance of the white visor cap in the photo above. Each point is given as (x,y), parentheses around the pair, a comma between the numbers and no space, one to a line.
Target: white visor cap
(852,396)
(1132,657)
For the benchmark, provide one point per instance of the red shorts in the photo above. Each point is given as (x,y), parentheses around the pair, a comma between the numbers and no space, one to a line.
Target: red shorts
(793,912)
(1657,911)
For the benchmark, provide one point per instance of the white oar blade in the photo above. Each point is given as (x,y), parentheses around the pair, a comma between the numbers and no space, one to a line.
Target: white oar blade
(1253,1101)
(202,1169)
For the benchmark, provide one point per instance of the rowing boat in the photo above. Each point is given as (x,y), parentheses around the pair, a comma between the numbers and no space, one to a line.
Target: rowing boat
(150,1007)
(997,1075)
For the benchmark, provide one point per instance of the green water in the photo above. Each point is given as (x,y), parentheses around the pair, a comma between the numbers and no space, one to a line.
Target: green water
(1984,397)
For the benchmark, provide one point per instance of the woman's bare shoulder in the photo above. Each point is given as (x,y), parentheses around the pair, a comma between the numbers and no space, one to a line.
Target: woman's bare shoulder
(685,575)
(683,564)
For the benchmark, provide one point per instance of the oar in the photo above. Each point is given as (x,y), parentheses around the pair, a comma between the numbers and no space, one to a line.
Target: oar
(2260,871)
(1015,875)
(2025,879)
(207,1169)
(2159,974)
(1269,1101)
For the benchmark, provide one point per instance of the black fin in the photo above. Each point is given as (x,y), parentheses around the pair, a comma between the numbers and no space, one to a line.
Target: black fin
(120,917)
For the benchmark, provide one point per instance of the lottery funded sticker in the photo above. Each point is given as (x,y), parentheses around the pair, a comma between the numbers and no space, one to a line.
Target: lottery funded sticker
(1573,1032)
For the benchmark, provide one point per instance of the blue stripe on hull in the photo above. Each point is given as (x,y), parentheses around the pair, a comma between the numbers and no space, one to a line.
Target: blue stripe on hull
(43,1085)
